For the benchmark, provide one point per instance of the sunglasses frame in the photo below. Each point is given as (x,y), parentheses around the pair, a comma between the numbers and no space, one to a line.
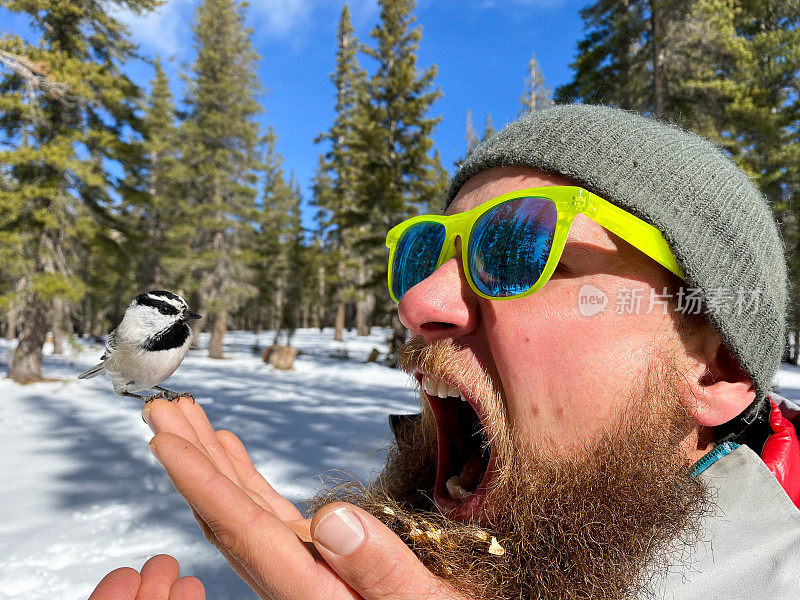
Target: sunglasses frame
(569,201)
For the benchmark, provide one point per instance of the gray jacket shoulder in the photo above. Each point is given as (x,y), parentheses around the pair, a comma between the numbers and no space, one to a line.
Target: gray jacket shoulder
(750,543)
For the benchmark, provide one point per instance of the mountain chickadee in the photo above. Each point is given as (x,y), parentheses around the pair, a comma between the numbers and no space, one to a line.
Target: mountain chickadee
(148,345)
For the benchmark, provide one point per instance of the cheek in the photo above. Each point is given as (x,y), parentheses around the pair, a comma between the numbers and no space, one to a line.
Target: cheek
(564,375)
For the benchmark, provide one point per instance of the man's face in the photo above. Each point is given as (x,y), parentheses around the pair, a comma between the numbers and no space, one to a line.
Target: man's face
(563,378)
(572,445)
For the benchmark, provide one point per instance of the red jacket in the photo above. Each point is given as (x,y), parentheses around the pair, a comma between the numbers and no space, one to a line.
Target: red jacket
(781,451)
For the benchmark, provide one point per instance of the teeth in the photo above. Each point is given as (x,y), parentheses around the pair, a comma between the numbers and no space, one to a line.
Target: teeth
(434,387)
(455,490)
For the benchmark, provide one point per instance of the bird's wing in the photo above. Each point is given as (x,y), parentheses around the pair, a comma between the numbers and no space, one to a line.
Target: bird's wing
(93,372)
(111,345)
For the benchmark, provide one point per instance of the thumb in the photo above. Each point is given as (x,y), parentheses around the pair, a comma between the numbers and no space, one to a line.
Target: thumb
(370,558)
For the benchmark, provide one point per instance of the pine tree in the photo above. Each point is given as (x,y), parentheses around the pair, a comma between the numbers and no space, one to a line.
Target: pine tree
(537,93)
(160,211)
(441,181)
(726,69)
(342,162)
(488,128)
(472,137)
(273,239)
(612,63)
(63,106)
(300,278)
(472,140)
(330,260)
(220,137)
(398,174)
(630,56)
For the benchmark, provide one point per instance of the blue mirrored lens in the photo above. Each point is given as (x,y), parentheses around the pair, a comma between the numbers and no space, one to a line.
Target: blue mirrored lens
(416,256)
(510,244)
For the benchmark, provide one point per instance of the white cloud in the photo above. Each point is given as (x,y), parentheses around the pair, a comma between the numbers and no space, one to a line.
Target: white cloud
(165,30)
(286,19)
(281,17)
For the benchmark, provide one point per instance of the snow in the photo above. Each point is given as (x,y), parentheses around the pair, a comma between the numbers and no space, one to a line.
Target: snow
(82,494)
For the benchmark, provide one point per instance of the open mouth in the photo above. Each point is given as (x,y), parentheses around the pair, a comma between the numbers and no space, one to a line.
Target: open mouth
(465,457)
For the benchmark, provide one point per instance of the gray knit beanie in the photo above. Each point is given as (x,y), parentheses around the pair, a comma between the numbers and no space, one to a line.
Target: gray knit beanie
(716,222)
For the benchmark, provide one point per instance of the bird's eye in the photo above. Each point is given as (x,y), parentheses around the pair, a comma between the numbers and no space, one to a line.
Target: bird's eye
(163,310)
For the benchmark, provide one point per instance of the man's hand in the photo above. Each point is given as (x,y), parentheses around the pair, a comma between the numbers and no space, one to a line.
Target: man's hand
(352,555)
(158,581)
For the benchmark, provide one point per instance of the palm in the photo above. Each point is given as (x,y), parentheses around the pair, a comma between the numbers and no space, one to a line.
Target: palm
(216,476)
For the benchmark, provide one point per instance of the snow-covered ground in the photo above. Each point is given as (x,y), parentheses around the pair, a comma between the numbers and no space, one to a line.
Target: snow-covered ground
(81,495)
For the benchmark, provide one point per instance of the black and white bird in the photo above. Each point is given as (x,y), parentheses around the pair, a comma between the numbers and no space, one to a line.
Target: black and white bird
(147,346)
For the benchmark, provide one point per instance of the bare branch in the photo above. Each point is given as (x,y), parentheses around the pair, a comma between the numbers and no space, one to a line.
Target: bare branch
(34,74)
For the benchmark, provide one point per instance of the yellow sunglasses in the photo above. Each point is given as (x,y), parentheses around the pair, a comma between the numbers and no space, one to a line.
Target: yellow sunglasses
(511,245)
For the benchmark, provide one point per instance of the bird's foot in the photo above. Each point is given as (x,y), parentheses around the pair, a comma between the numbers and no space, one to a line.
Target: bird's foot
(185,395)
(169,395)
(149,399)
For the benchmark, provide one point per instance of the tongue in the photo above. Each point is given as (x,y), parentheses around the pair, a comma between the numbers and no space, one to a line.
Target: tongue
(461,487)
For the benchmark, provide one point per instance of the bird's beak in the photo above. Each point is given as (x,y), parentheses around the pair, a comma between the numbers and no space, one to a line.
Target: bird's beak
(191,315)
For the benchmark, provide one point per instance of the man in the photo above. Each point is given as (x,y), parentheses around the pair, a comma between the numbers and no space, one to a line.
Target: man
(573,443)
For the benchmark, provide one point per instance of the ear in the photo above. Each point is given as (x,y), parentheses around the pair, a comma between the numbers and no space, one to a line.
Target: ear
(720,387)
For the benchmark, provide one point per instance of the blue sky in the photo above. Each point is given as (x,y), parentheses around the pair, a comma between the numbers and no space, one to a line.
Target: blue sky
(481,49)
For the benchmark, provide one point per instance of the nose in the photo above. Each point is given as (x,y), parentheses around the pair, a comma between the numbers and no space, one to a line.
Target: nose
(441,306)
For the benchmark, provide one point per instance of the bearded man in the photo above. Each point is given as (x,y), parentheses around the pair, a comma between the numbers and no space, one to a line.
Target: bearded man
(572,443)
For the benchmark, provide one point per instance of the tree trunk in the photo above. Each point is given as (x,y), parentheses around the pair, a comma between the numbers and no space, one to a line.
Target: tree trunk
(399,334)
(11,321)
(659,79)
(363,307)
(197,329)
(320,318)
(215,344)
(278,312)
(26,365)
(97,326)
(58,325)
(796,347)
(86,316)
(623,52)
(338,325)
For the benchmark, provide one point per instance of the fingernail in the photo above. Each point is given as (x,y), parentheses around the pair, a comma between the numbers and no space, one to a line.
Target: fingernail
(146,417)
(340,532)
(154,451)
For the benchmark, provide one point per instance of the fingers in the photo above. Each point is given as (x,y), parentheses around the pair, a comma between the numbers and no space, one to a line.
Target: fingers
(158,575)
(371,558)
(237,566)
(187,588)
(158,581)
(266,548)
(253,479)
(120,584)
(189,421)
(196,417)
(162,415)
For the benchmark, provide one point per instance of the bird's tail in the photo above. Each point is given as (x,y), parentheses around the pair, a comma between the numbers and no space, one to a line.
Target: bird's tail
(93,372)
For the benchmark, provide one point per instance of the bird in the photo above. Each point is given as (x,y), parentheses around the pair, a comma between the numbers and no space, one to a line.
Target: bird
(147,346)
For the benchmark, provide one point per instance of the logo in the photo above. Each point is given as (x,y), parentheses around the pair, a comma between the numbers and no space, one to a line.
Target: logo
(591,300)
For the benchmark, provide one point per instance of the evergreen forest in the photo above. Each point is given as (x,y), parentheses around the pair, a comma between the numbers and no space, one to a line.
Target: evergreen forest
(108,189)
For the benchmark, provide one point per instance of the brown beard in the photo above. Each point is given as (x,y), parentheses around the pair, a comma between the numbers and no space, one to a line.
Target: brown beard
(598,524)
